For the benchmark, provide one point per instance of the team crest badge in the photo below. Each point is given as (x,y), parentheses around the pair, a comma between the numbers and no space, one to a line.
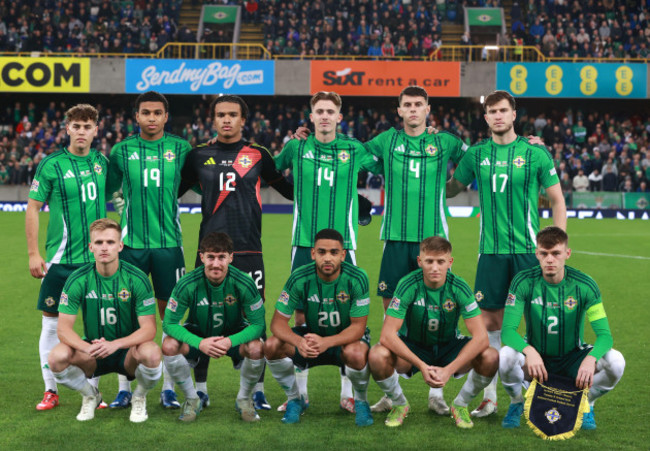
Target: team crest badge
(124,295)
(344,156)
(394,304)
(245,161)
(431,150)
(98,168)
(343,297)
(552,415)
(570,303)
(511,299)
(382,286)
(284,298)
(49,301)
(169,156)
(519,162)
(478,296)
(230,299)
(449,305)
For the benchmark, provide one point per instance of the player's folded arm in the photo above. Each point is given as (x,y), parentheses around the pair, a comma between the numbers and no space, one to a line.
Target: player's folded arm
(351,334)
(604,340)
(255,314)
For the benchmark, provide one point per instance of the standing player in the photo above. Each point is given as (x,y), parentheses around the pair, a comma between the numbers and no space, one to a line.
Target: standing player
(226,317)
(325,170)
(72,182)
(510,172)
(147,167)
(420,333)
(334,296)
(554,299)
(230,173)
(415,170)
(119,318)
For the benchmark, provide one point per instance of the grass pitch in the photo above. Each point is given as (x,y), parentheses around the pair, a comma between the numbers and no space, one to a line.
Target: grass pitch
(615,253)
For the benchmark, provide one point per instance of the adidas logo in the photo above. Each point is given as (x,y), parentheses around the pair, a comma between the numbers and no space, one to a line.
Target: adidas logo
(69,175)
(92,295)
(134,156)
(420,302)
(209,161)
(400,149)
(485,162)
(309,155)
(538,301)
(313,298)
(203,302)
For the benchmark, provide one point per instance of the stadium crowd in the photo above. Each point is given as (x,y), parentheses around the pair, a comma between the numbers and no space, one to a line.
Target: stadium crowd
(592,151)
(91,27)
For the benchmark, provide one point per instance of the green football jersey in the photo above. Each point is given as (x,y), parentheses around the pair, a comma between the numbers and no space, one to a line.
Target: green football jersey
(110,305)
(554,314)
(325,186)
(328,306)
(234,308)
(415,172)
(509,179)
(431,315)
(149,173)
(74,188)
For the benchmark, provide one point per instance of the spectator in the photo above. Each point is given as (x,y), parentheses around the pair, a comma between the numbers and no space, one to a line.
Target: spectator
(609,179)
(580,182)
(595,181)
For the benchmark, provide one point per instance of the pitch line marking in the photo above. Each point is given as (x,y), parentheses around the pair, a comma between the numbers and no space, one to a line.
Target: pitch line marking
(636,257)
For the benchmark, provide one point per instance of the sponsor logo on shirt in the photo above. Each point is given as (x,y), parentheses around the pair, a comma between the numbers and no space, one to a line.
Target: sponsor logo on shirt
(148,302)
(152,158)
(134,156)
(68,175)
(344,156)
(343,297)
(363,302)
(284,298)
(449,305)
(400,149)
(431,150)
(570,303)
(92,295)
(98,168)
(502,164)
(257,305)
(34,186)
(519,162)
(209,161)
(63,301)
(552,171)
(394,304)
(485,162)
(537,301)
(479,296)
(511,299)
(172,305)
(552,305)
(169,156)
(309,155)
(420,302)
(313,298)
(203,303)
(230,299)
(124,295)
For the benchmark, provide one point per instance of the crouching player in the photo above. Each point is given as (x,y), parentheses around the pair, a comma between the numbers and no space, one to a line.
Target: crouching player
(420,333)
(226,317)
(119,317)
(554,299)
(334,297)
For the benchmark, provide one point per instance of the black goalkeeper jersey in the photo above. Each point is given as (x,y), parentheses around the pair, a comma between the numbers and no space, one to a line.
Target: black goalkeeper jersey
(229,176)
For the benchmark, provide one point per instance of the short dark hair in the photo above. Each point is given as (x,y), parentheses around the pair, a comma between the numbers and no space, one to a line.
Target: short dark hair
(414,91)
(216,242)
(551,236)
(498,96)
(230,99)
(329,234)
(436,244)
(151,96)
(82,112)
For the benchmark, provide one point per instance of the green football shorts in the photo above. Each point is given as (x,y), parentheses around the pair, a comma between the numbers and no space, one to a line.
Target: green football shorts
(52,286)
(399,259)
(494,274)
(166,266)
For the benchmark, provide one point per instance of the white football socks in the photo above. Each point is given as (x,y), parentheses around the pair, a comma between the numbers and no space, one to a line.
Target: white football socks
(250,373)
(359,380)
(179,371)
(494,336)
(74,378)
(609,370)
(168,382)
(284,372)
(46,342)
(511,373)
(124,383)
(391,388)
(472,387)
(147,379)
